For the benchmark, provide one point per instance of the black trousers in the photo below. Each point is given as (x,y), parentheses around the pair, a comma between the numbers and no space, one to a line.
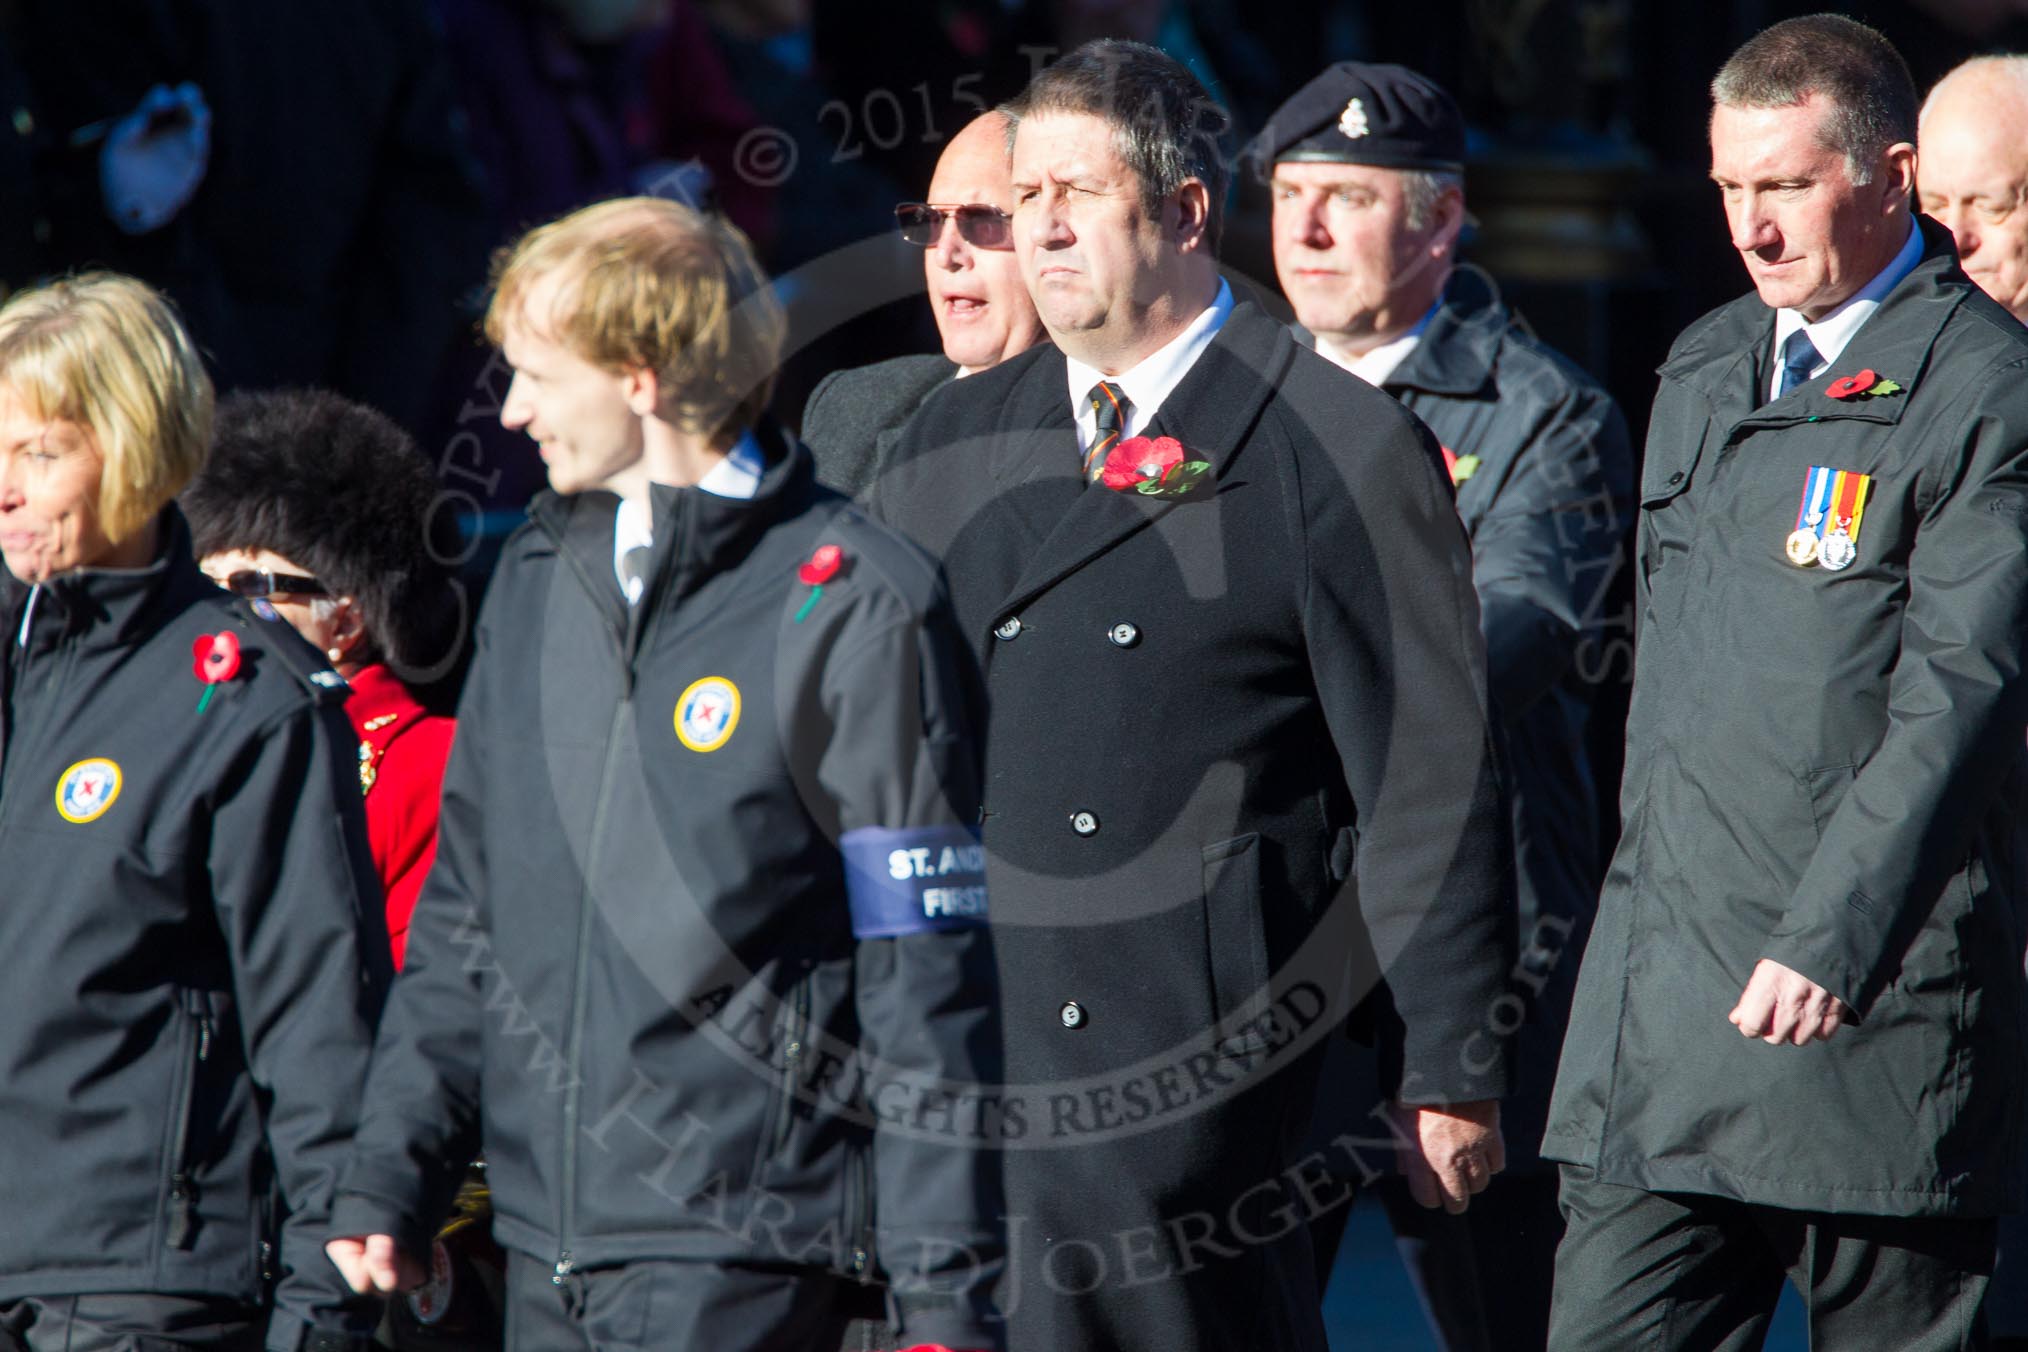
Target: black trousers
(1670,1271)
(1483,1277)
(129,1322)
(2007,1300)
(687,1307)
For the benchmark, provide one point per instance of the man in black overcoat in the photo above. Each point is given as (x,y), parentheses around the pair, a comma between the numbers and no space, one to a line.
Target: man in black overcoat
(1238,763)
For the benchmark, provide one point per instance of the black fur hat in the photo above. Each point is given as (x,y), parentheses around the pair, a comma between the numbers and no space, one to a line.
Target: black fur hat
(343,491)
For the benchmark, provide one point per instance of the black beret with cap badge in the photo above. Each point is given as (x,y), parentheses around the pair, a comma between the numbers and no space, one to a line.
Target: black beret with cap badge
(1361,113)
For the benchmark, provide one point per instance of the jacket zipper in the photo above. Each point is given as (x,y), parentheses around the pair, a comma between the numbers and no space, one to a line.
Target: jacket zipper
(858,1191)
(566,1261)
(27,756)
(182,1189)
(587,903)
(795,1030)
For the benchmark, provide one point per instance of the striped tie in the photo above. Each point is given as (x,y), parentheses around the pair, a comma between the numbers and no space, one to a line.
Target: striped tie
(1109,402)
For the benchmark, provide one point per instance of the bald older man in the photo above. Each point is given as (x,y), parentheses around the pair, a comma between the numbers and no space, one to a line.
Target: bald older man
(1973,171)
(982,309)
(1972,175)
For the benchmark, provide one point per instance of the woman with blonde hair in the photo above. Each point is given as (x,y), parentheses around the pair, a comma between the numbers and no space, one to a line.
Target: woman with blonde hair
(188,911)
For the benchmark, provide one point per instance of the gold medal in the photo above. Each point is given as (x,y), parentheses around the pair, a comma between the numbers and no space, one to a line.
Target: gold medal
(1802,548)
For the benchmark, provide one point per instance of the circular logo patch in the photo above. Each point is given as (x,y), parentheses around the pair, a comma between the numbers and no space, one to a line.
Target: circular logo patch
(87,789)
(706,713)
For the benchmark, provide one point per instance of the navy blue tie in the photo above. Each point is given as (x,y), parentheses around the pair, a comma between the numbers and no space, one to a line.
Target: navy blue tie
(1799,358)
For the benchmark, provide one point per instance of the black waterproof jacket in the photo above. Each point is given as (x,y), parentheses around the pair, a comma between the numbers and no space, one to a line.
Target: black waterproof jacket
(194,947)
(1545,487)
(634,969)
(1824,768)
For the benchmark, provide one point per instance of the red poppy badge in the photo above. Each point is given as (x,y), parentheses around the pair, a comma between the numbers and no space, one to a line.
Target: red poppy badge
(1156,466)
(216,661)
(1867,384)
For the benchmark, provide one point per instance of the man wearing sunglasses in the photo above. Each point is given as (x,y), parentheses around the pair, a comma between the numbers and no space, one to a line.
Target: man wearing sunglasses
(982,310)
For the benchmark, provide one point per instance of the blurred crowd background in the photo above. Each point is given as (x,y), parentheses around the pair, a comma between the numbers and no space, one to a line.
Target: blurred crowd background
(364,159)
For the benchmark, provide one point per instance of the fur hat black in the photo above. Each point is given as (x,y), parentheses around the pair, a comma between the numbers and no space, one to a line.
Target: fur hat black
(344,492)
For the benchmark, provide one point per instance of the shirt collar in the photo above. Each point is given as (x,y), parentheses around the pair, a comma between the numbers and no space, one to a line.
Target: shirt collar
(1376,366)
(1158,374)
(1830,334)
(738,475)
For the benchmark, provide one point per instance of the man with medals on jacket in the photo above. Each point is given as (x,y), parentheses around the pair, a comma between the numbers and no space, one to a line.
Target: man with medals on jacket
(1797,1044)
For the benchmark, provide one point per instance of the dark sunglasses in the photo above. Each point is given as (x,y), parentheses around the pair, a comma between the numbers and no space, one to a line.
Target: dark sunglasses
(979,225)
(259,582)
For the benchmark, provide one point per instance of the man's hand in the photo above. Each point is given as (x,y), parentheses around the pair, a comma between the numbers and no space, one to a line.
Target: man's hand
(373,1263)
(1451,1152)
(1782,1005)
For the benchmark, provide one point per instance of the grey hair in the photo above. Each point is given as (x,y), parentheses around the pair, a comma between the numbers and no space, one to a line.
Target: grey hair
(1867,84)
(1165,125)
(1422,189)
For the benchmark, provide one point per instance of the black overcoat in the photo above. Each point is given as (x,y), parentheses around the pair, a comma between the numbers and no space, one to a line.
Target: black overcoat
(1210,719)
(1824,768)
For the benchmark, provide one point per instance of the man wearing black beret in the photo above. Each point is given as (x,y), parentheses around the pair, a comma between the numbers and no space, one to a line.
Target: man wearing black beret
(1365,168)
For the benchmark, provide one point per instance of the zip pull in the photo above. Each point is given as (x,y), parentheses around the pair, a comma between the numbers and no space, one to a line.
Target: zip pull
(181,1204)
(565,1266)
(203,1038)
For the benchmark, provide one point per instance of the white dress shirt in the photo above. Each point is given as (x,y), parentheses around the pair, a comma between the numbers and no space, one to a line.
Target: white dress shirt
(736,476)
(1830,334)
(1149,383)
(1376,366)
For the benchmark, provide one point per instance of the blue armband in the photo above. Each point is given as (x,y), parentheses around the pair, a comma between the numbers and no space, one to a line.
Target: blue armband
(914,880)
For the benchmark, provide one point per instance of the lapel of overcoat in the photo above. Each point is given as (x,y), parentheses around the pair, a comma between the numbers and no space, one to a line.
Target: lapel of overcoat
(1210,412)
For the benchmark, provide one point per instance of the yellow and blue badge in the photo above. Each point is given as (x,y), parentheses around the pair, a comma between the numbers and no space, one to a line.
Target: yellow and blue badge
(1827,523)
(707,712)
(87,789)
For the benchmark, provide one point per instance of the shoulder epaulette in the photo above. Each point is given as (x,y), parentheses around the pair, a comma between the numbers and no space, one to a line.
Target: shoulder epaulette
(282,643)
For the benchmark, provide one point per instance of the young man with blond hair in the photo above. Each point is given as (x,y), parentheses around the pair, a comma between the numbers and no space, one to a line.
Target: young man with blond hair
(665,966)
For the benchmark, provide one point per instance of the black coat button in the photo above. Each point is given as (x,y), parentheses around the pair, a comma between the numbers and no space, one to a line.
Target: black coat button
(1008,628)
(1676,478)
(1072,1014)
(1124,635)
(1084,823)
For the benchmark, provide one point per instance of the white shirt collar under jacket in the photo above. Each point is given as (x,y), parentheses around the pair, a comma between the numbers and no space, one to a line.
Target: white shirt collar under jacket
(1148,384)
(1830,334)
(1376,366)
(736,476)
